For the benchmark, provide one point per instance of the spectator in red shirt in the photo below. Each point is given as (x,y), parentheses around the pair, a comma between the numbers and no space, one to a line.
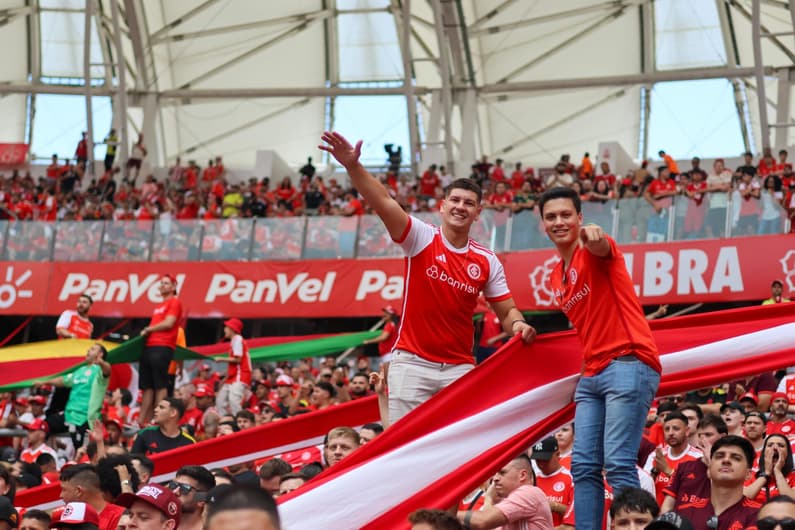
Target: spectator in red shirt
(81,153)
(517,177)
(160,343)
(497,172)
(429,182)
(776,475)
(386,340)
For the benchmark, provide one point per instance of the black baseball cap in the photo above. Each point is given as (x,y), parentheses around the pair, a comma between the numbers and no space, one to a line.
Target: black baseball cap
(670,521)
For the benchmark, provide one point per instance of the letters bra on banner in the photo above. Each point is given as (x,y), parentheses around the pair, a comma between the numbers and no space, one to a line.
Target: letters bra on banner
(681,272)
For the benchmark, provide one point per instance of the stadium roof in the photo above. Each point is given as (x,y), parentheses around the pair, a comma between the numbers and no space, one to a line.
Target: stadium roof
(525,80)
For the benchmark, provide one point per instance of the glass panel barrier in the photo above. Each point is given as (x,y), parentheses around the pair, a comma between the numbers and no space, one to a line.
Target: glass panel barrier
(3,234)
(29,241)
(278,238)
(715,218)
(77,240)
(374,240)
(483,230)
(633,220)
(330,237)
(176,240)
(690,217)
(600,213)
(527,231)
(226,239)
(127,241)
(771,218)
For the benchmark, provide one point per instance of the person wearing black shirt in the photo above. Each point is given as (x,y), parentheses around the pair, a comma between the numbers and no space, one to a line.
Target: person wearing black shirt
(166,433)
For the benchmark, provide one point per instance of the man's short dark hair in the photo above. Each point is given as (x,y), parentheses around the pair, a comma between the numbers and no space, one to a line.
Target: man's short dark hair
(311,470)
(360,374)
(37,515)
(126,396)
(328,387)
(375,427)
(713,420)
(103,351)
(436,519)
(634,500)
(464,184)
(87,297)
(145,461)
(695,408)
(45,459)
(560,193)
(736,441)
(247,414)
(223,473)
(244,497)
(81,474)
(200,474)
(176,404)
(274,468)
(676,415)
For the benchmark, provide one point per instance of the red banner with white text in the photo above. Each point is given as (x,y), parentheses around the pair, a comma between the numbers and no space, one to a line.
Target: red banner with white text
(13,154)
(667,273)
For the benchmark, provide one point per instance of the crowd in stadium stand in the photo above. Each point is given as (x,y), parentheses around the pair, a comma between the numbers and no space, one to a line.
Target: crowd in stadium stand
(761,187)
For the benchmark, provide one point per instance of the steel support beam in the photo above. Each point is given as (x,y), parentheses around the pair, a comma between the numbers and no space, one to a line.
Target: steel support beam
(565,119)
(402,14)
(446,93)
(648,64)
(783,106)
(476,30)
(88,16)
(187,16)
(292,19)
(688,74)
(120,99)
(759,74)
(253,51)
(489,15)
(733,61)
(563,45)
(256,121)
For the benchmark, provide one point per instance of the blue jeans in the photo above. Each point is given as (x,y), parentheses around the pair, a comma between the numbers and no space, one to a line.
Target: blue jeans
(608,425)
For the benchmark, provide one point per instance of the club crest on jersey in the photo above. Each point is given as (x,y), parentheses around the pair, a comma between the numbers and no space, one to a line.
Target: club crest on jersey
(559,486)
(573,276)
(473,269)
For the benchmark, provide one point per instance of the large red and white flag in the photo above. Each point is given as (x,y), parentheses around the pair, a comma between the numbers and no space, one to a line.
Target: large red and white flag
(452,443)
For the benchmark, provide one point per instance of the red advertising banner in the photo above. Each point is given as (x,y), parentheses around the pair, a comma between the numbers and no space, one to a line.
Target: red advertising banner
(13,154)
(718,270)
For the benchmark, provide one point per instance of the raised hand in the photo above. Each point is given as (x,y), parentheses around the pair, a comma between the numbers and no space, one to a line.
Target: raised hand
(341,149)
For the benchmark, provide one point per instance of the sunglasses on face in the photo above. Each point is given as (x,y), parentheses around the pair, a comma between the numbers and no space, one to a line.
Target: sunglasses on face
(770,523)
(183,488)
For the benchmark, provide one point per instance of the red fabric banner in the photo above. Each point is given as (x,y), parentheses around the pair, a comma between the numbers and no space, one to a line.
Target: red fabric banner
(719,270)
(13,154)
(443,449)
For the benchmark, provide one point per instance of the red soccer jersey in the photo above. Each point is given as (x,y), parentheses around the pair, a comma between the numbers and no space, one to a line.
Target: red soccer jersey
(786,427)
(192,417)
(738,516)
(109,517)
(173,307)
(689,483)
(441,293)
(558,487)
(772,488)
(80,327)
(239,372)
(599,299)
(386,346)
(428,183)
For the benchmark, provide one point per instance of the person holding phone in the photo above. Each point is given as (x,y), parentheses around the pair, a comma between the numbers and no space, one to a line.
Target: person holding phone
(776,475)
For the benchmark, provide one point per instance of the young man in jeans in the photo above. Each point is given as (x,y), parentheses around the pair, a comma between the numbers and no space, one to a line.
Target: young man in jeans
(621,366)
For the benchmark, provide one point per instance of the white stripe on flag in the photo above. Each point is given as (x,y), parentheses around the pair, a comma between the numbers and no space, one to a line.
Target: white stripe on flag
(392,477)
